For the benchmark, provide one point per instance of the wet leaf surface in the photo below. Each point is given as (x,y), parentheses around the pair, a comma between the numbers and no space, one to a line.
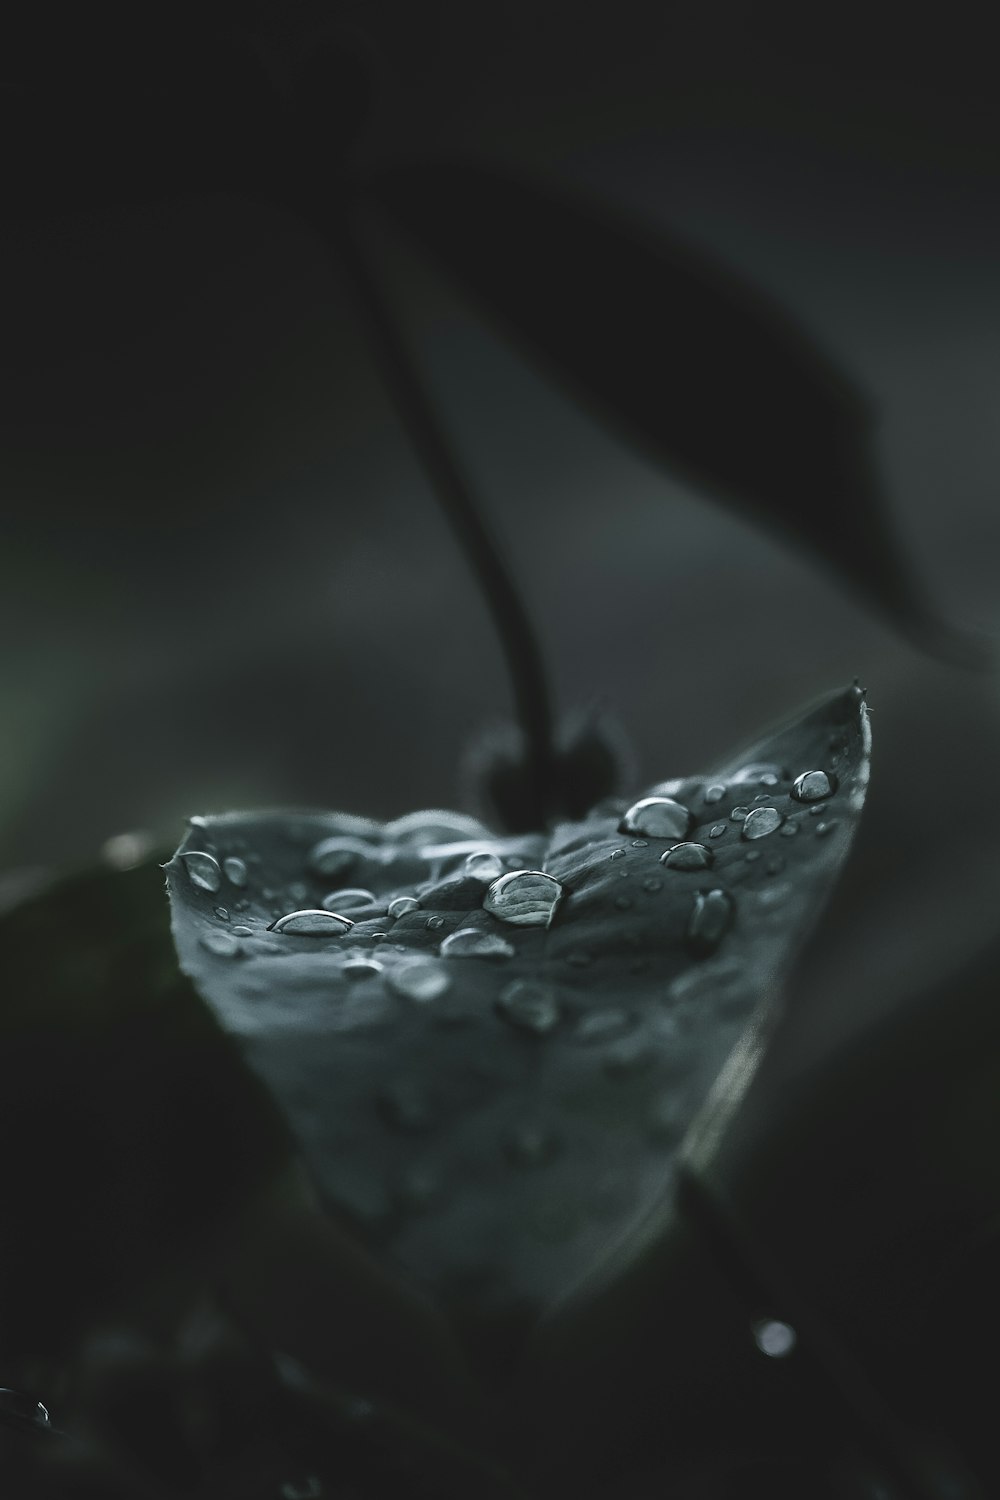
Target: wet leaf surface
(680,355)
(492,1107)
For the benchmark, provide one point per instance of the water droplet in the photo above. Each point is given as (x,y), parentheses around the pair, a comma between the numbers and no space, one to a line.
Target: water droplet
(709,921)
(789,830)
(484,866)
(361,968)
(659,817)
(602,1026)
(717,830)
(203,870)
(242,931)
(402,905)
(311,924)
(618,854)
(222,913)
(687,857)
(525,898)
(640,843)
(813,786)
(529,1005)
(235,870)
(404,1106)
(714,793)
(738,814)
(626,1057)
(817,811)
(774,1338)
(531,1146)
(354,898)
(761,822)
(652,884)
(469,942)
(124,851)
(752,855)
(420,979)
(223,944)
(822,829)
(769,779)
(623,902)
(435,923)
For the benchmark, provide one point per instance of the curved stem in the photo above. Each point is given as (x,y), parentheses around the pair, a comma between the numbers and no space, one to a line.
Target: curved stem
(517,637)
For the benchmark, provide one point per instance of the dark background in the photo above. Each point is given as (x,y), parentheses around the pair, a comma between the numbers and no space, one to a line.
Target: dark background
(223,580)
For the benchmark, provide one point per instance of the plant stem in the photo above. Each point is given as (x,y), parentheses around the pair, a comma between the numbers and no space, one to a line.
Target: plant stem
(518,640)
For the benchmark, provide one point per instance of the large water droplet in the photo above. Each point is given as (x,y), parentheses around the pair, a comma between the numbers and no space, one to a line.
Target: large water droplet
(402,905)
(761,822)
(714,793)
(529,1005)
(709,921)
(525,898)
(687,857)
(531,1146)
(235,870)
(774,1338)
(483,865)
(657,817)
(813,786)
(354,898)
(203,870)
(222,944)
(420,979)
(311,924)
(469,942)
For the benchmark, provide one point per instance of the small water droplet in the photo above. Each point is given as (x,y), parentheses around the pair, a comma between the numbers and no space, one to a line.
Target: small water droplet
(652,884)
(789,830)
(469,942)
(774,1338)
(419,979)
(640,843)
(626,1057)
(203,870)
(525,898)
(361,968)
(531,1146)
(717,830)
(222,944)
(354,898)
(404,1106)
(222,913)
(756,773)
(529,1005)
(310,923)
(709,921)
(687,857)
(769,778)
(484,866)
(235,871)
(813,786)
(714,793)
(402,905)
(752,855)
(602,1026)
(242,931)
(435,923)
(761,822)
(817,811)
(623,902)
(618,854)
(659,817)
(738,814)
(822,829)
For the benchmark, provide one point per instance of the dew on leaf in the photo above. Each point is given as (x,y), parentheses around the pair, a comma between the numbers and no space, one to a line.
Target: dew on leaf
(652,884)
(618,854)
(822,829)
(525,898)
(311,923)
(813,786)
(529,1005)
(402,905)
(469,942)
(222,913)
(659,817)
(418,979)
(361,968)
(687,857)
(640,843)
(435,923)
(714,793)
(242,931)
(709,921)
(789,830)
(222,944)
(738,814)
(717,830)
(761,822)
(484,866)
(203,870)
(353,898)
(235,870)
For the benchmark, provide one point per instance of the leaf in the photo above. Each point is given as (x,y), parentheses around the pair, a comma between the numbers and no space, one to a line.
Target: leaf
(494,1106)
(684,358)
